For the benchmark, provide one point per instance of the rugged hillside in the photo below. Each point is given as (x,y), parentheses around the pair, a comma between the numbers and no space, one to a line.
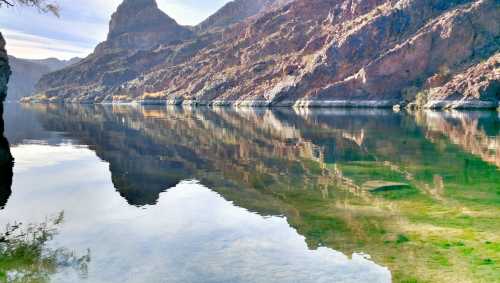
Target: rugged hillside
(136,29)
(26,73)
(303,53)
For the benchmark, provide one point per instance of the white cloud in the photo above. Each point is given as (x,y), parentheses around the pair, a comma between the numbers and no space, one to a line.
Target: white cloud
(29,46)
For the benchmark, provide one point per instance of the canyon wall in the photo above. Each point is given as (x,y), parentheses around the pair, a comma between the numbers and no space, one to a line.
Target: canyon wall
(302,53)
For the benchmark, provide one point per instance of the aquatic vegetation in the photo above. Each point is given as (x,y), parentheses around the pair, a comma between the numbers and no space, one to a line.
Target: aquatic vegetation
(24,256)
(388,185)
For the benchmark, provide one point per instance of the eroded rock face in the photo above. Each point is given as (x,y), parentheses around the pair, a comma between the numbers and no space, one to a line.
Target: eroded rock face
(304,53)
(6,159)
(137,28)
(4,69)
(478,86)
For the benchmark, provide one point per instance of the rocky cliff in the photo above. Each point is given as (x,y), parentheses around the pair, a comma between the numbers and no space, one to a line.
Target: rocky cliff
(300,53)
(139,24)
(6,159)
(4,69)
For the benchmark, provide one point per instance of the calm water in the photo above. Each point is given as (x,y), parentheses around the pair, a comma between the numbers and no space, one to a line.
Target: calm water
(161,194)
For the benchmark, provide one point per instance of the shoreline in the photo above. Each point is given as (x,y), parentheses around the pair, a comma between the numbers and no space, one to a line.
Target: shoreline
(374,104)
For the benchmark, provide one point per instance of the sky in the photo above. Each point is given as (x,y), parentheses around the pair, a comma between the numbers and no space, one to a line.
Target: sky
(81,25)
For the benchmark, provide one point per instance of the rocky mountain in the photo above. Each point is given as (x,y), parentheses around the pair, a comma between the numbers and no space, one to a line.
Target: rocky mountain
(139,24)
(140,36)
(296,53)
(27,72)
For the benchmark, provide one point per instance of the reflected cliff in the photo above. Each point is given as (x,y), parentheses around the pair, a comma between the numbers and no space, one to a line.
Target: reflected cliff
(475,132)
(392,185)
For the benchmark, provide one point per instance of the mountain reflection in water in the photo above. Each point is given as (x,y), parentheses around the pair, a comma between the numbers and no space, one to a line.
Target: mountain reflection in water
(407,190)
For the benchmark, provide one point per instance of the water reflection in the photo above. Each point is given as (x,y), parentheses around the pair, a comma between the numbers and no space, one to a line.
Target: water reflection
(403,189)
(475,132)
(192,234)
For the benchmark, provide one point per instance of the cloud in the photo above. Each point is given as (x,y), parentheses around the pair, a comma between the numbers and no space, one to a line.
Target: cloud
(29,46)
(82,25)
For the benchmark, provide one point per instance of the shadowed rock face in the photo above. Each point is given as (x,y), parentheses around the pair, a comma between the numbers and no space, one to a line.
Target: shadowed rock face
(4,69)
(304,53)
(6,161)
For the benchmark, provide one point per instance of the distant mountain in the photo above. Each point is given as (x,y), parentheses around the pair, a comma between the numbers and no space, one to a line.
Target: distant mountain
(54,64)
(27,72)
(363,53)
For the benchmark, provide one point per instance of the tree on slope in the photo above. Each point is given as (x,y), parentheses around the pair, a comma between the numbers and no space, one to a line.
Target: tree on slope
(42,5)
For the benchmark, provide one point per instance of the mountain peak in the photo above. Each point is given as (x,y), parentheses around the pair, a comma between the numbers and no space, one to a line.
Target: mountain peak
(140,24)
(138,16)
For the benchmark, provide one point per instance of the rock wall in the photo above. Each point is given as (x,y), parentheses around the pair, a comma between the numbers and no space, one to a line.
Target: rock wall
(475,87)
(6,160)
(329,53)
(4,69)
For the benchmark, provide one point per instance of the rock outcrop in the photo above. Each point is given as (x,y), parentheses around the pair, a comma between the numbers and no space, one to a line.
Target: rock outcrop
(297,53)
(6,159)
(4,69)
(140,24)
(478,86)
(136,29)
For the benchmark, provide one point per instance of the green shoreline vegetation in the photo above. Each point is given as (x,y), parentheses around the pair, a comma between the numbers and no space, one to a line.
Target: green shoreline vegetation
(24,256)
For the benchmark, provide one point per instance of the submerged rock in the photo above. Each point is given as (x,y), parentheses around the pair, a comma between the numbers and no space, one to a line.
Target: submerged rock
(381,186)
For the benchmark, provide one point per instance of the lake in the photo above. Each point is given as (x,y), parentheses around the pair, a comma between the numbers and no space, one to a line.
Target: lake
(170,194)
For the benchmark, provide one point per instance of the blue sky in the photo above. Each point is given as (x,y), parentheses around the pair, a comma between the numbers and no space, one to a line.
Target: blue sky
(81,26)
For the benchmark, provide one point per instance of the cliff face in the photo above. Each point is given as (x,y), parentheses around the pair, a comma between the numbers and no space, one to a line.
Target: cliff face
(477,86)
(136,29)
(304,53)
(6,159)
(4,69)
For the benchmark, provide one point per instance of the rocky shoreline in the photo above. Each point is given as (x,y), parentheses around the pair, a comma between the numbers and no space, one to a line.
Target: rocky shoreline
(295,53)
(375,104)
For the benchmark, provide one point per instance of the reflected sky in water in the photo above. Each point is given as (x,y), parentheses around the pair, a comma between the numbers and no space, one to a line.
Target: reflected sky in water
(257,195)
(191,235)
